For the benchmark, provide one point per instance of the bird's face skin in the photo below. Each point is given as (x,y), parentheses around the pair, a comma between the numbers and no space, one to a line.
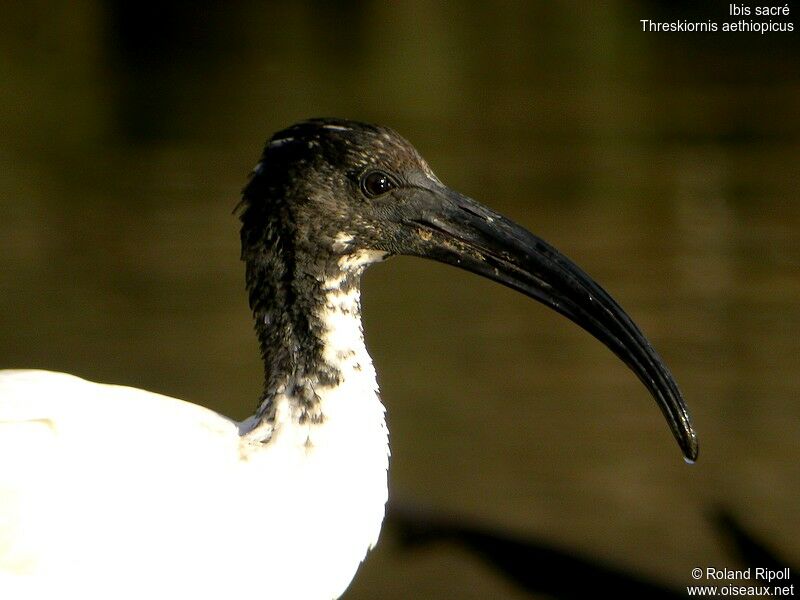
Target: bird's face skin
(365,194)
(355,186)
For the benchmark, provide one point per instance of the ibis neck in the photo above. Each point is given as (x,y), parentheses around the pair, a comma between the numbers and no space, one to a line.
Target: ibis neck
(308,322)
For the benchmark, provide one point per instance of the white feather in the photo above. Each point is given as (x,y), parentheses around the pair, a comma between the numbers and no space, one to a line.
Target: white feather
(114,492)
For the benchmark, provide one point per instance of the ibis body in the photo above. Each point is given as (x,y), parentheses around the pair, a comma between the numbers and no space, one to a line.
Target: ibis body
(110,491)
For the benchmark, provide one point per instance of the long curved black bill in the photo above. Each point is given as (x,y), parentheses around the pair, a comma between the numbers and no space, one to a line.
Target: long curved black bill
(463,233)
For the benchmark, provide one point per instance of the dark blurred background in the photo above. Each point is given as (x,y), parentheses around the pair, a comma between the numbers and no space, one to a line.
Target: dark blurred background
(665,164)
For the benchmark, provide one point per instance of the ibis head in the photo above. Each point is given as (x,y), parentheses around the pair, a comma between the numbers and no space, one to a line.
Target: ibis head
(332,193)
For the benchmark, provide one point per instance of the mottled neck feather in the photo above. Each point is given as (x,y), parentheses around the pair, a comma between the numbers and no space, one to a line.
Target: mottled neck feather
(287,304)
(307,316)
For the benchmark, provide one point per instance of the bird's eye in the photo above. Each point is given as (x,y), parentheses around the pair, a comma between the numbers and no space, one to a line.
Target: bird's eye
(375,183)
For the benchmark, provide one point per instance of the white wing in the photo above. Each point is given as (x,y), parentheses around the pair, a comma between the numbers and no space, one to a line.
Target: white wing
(109,477)
(114,492)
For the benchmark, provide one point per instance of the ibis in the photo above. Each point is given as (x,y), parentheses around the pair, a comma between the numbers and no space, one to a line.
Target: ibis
(113,492)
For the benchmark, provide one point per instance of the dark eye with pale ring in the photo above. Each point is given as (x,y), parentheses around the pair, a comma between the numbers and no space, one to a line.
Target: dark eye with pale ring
(375,183)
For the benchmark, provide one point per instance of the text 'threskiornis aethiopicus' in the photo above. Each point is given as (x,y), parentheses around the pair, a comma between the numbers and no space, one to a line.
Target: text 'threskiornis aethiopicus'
(109,491)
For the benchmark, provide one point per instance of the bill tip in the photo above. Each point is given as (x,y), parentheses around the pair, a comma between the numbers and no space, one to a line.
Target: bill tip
(691,450)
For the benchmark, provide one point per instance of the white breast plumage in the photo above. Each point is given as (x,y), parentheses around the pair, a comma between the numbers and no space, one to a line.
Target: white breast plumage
(169,490)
